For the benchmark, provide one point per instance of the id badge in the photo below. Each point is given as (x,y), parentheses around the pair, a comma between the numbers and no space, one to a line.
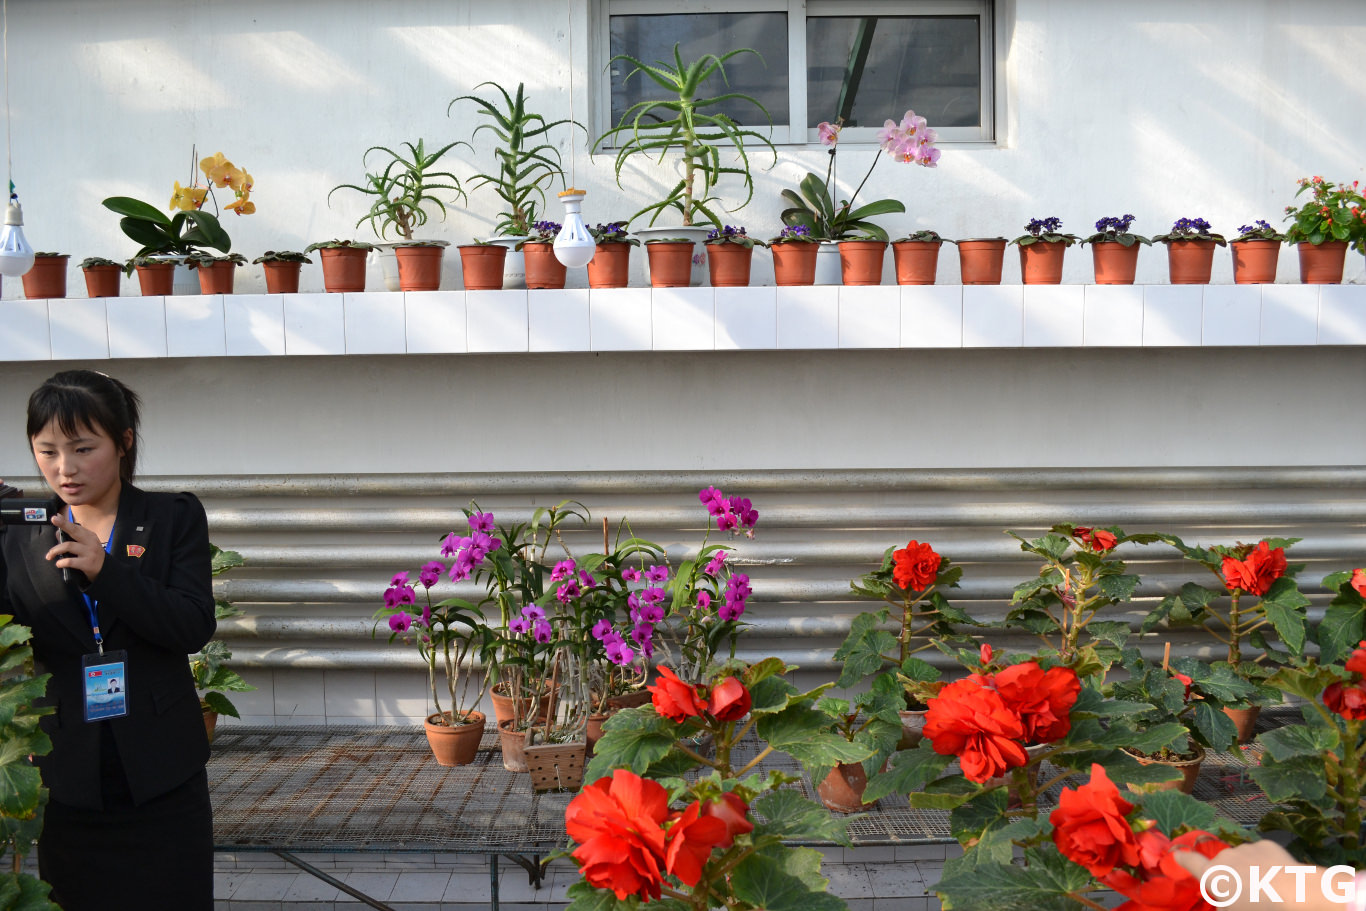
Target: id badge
(105,685)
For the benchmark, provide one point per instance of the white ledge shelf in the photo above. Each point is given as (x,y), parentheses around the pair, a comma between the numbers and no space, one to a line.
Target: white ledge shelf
(684,319)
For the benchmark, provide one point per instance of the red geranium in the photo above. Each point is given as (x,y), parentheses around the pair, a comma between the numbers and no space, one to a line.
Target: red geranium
(619,825)
(1090,828)
(917,566)
(674,699)
(1255,572)
(1042,699)
(730,700)
(1347,700)
(1359,581)
(1097,539)
(689,842)
(732,811)
(971,721)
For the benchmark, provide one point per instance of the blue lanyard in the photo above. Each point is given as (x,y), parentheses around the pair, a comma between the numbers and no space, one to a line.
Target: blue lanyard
(89,604)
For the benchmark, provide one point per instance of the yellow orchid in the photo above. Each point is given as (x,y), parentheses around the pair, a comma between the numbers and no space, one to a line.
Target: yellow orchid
(242,205)
(218,170)
(240,180)
(187,199)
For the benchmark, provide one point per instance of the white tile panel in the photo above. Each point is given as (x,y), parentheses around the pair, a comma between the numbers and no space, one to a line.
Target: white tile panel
(374,323)
(496,321)
(1053,315)
(195,325)
(993,316)
(434,322)
(870,316)
(1232,315)
(79,329)
(683,319)
(1114,316)
(1342,314)
(620,319)
(931,316)
(558,320)
(808,317)
(255,325)
(1172,315)
(746,318)
(1290,314)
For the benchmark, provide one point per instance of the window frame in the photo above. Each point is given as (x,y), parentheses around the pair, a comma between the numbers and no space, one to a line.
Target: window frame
(989,135)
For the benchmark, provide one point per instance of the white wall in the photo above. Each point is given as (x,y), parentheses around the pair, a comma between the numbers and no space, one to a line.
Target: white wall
(1163,109)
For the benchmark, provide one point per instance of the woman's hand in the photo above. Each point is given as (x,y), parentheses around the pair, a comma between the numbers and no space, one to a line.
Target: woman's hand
(81,551)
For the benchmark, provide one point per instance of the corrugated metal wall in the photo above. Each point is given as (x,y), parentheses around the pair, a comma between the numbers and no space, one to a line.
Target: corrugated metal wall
(321,549)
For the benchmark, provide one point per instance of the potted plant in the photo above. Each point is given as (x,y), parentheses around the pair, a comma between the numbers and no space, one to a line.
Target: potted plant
(794,256)
(212,677)
(730,251)
(813,205)
(419,264)
(543,269)
(1255,252)
(981,260)
(481,265)
(101,276)
(682,122)
(170,240)
(47,277)
(868,721)
(343,264)
(610,266)
(916,257)
(451,633)
(400,194)
(216,273)
(1190,251)
(528,164)
(282,270)
(861,259)
(671,260)
(1041,251)
(1114,250)
(1323,226)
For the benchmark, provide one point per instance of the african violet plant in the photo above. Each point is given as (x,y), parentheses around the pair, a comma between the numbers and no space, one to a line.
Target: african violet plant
(1115,230)
(732,235)
(1258,230)
(1186,229)
(1046,231)
(681,123)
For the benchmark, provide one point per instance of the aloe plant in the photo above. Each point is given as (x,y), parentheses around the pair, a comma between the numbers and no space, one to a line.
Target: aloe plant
(402,189)
(681,123)
(526,163)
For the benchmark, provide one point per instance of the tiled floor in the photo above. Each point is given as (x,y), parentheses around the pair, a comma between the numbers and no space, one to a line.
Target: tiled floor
(868,879)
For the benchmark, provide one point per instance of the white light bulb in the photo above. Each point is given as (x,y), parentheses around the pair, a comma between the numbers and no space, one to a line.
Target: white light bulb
(574,246)
(16,256)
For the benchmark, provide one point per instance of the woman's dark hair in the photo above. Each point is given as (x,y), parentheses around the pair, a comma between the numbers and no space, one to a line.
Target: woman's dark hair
(78,399)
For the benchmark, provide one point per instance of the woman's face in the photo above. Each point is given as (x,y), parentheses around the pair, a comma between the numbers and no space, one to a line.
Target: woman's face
(83,469)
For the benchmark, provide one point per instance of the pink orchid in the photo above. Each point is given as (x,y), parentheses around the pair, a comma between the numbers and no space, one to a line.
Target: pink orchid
(828,132)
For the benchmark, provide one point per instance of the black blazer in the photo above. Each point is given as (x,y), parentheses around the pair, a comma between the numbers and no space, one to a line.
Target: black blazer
(155,596)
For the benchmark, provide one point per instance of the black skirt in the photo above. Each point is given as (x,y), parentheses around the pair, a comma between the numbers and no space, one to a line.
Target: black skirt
(157,855)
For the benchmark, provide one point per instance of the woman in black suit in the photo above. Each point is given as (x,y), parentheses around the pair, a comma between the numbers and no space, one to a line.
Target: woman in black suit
(128,823)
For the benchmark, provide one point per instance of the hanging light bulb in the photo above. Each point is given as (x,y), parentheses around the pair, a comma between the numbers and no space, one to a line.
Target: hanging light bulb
(16,256)
(574,246)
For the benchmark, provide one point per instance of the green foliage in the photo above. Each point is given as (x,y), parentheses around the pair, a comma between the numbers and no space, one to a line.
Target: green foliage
(1344,621)
(1333,212)
(817,212)
(683,124)
(403,188)
(162,235)
(212,677)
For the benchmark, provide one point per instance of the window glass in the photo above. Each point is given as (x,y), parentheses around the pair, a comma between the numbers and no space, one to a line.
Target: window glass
(881,66)
(651,39)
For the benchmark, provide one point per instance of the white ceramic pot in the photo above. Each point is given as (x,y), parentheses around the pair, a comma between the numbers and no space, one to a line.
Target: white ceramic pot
(695,233)
(828,270)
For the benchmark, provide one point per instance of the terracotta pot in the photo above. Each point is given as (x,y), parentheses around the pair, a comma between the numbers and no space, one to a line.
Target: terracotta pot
(513,744)
(630,700)
(210,722)
(156,278)
(543,270)
(102,281)
(503,709)
(556,766)
(794,264)
(593,729)
(670,263)
(419,268)
(842,790)
(216,278)
(610,266)
(1114,263)
(917,261)
(1322,264)
(1189,769)
(1189,261)
(1245,720)
(343,269)
(861,261)
(282,277)
(482,266)
(728,265)
(1041,263)
(454,745)
(912,728)
(980,261)
(47,278)
(1254,261)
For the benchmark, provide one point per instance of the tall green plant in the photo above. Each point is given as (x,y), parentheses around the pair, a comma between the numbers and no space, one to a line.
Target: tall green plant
(403,188)
(22,795)
(212,677)
(682,123)
(526,164)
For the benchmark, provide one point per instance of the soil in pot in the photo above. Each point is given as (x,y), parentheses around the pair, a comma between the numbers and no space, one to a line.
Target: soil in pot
(102,281)
(454,745)
(1114,263)
(282,277)
(482,266)
(1041,263)
(1322,264)
(980,261)
(343,269)
(728,265)
(794,264)
(543,270)
(156,278)
(861,261)
(610,266)
(1189,768)
(1254,261)
(1189,262)
(917,262)
(419,268)
(47,278)
(670,263)
(216,278)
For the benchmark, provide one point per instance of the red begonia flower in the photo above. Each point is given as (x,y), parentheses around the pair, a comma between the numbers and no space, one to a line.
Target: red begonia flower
(1089,826)
(1255,572)
(970,721)
(730,700)
(619,825)
(674,699)
(1042,699)
(917,566)
(689,843)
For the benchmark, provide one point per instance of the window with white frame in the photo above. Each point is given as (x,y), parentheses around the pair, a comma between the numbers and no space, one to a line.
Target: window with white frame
(865,61)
